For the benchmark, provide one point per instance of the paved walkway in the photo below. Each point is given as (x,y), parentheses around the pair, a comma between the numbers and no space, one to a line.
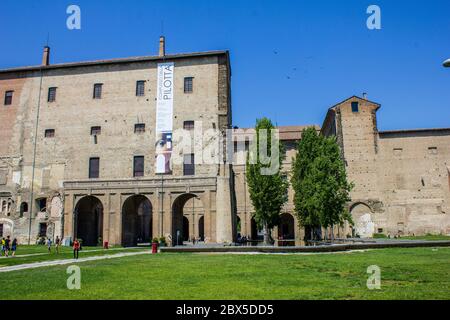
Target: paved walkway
(69,261)
(309,249)
(54,252)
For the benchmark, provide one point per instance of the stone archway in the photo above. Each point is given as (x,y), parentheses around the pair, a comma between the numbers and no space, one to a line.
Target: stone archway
(238,226)
(255,232)
(185,234)
(136,221)
(363,220)
(201,228)
(6,227)
(286,230)
(186,210)
(89,220)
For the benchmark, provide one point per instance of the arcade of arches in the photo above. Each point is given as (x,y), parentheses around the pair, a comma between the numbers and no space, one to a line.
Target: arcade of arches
(139,219)
(285,234)
(136,221)
(88,218)
(188,219)
(97,218)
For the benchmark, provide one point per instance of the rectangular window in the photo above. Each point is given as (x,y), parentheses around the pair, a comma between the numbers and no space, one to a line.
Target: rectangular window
(138,166)
(51,94)
(140,88)
(448,174)
(432,150)
(41,204)
(188,85)
(95,131)
(94,168)
(189,165)
(98,90)
(42,229)
(1,230)
(355,106)
(139,128)
(49,133)
(8,97)
(188,125)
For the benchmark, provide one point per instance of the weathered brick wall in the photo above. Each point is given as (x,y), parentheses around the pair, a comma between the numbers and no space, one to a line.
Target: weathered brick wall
(413,171)
(66,156)
(401,178)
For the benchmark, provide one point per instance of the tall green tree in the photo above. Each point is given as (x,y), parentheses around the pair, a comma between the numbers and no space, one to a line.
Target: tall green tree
(320,182)
(267,185)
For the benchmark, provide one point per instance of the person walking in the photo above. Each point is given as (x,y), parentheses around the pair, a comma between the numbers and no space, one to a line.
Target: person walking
(57,244)
(14,247)
(76,248)
(7,244)
(2,244)
(49,245)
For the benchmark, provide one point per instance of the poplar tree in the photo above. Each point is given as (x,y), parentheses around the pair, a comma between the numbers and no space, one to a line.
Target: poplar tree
(320,182)
(266,183)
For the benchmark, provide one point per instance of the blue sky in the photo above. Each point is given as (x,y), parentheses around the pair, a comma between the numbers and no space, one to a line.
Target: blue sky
(291,60)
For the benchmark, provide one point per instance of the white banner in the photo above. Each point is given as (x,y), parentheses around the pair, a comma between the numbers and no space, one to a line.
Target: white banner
(164,102)
(164,117)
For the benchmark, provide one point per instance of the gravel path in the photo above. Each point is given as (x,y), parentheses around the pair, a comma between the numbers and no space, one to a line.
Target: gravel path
(54,252)
(69,261)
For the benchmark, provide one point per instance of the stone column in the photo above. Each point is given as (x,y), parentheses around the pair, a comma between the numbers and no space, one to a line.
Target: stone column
(68,215)
(167,215)
(224,218)
(116,217)
(156,229)
(106,217)
(207,220)
(299,232)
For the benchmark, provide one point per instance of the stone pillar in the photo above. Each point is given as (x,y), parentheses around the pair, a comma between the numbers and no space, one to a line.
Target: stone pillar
(116,216)
(166,226)
(299,232)
(68,215)
(224,213)
(106,217)
(156,230)
(207,220)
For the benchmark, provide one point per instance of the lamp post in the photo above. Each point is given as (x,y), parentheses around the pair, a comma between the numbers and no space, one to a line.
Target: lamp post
(447,63)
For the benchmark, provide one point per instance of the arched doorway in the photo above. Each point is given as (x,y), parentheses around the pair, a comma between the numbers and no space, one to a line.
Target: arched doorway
(286,230)
(89,221)
(238,226)
(136,221)
(201,228)
(256,233)
(186,210)
(362,217)
(185,234)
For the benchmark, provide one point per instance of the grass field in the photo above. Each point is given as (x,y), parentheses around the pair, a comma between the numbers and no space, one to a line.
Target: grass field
(418,273)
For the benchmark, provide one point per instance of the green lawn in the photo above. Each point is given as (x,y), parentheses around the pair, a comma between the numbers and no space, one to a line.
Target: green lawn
(417,273)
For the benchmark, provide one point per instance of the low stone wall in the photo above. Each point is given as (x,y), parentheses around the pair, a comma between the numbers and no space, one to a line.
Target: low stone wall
(320,248)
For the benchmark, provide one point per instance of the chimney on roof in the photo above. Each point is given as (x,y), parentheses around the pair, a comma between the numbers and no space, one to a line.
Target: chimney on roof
(46,56)
(162,46)
(365,95)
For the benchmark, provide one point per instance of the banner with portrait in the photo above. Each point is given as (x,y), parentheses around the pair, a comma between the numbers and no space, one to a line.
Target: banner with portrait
(164,118)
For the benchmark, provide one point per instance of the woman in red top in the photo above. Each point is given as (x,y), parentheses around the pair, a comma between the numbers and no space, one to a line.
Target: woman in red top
(76,248)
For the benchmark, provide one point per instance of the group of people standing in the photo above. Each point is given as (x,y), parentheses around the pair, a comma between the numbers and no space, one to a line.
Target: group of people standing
(76,246)
(8,247)
(57,244)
